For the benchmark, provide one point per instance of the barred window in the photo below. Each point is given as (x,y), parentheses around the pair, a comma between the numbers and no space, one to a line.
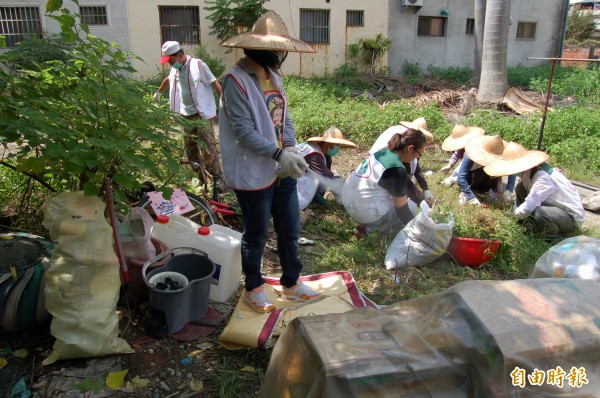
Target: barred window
(314,26)
(17,23)
(431,26)
(355,18)
(180,24)
(470,29)
(526,30)
(94,15)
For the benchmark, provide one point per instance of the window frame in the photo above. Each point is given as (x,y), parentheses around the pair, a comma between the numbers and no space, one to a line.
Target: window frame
(314,30)
(184,29)
(432,18)
(522,23)
(20,35)
(357,12)
(96,5)
(470,27)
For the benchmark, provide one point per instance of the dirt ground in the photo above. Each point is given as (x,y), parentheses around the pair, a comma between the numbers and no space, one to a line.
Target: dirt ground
(162,362)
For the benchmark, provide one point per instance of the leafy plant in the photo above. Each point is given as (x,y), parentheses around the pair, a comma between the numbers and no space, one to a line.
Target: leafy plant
(412,72)
(90,385)
(580,25)
(232,17)
(214,64)
(460,75)
(34,51)
(370,50)
(84,119)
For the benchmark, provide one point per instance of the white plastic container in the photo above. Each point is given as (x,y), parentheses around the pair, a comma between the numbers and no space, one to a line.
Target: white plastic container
(220,243)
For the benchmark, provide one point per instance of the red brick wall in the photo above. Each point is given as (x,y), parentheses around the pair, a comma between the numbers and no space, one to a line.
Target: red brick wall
(577,53)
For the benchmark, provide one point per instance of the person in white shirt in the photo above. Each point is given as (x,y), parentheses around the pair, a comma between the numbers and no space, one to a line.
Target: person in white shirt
(544,194)
(191,84)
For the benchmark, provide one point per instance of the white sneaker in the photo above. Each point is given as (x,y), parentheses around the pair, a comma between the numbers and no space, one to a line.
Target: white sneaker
(462,198)
(449,181)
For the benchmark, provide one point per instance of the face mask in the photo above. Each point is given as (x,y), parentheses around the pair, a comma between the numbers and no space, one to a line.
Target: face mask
(334,151)
(177,65)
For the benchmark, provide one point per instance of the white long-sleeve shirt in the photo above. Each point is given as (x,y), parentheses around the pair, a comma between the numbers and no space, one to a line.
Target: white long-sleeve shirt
(549,187)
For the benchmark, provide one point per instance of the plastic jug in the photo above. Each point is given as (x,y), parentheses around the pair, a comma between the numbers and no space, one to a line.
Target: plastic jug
(220,243)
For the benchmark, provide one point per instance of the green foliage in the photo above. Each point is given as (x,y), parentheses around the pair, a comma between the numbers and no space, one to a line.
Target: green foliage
(413,74)
(583,84)
(314,108)
(82,120)
(370,50)
(580,25)
(455,74)
(232,17)
(346,70)
(89,384)
(214,64)
(34,51)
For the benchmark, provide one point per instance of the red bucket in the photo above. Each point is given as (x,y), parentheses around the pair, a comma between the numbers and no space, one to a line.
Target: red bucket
(472,252)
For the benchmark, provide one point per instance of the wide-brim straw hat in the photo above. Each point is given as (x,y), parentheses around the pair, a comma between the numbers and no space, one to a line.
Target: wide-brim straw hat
(515,159)
(485,149)
(419,124)
(268,33)
(333,135)
(460,136)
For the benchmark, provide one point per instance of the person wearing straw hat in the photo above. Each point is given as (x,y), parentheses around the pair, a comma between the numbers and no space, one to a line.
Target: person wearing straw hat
(544,194)
(318,153)
(259,156)
(480,152)
(191,84)
(456,142)
(414,169)
(375,194)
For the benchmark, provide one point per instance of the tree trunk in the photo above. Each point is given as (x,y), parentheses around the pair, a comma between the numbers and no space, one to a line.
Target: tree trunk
(494,83)
(479,27)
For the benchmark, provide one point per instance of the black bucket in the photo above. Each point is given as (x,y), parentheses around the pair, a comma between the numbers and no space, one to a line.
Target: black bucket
(187,304)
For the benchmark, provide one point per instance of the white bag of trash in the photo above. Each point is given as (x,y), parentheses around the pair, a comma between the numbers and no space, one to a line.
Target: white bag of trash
(420,242)
(576,257)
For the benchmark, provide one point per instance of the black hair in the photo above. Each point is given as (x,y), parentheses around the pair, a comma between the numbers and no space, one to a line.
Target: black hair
(267,58)
(410,137)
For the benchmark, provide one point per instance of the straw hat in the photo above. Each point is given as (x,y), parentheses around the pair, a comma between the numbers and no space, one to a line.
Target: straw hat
(421,125)
(459,137)
(485,149)
(268,33)
(515,159)
(333,135)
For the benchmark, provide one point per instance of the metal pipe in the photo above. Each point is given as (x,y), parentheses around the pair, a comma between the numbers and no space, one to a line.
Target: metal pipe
(568,59)
(539,146)
(586,186)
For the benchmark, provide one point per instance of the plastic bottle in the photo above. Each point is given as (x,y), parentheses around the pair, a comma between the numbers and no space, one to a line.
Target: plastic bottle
(220,243)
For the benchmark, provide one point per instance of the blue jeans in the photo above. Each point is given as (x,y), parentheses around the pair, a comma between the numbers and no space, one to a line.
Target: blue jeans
(281,201)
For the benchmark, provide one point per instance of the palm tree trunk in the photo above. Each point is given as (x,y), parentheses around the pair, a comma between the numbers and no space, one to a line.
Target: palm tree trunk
(494,83)
(479,27)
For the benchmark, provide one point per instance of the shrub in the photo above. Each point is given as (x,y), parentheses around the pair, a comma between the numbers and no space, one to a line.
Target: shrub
(455,74)
(412,72)
(214,64)
(580,25)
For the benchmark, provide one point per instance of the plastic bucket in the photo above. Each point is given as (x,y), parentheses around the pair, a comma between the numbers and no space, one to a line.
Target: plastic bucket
(187,304)
(135,265)
(472,252)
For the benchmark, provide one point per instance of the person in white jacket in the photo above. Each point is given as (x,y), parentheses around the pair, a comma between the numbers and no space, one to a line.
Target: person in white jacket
(544,194)
(191,84)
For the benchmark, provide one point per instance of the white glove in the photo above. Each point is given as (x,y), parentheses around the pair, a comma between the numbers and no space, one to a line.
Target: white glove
(429,198)
(292,164)
(292,149)
(519,213)
(449,181)
(475,202)
(156,96)
(446,167)
(507,195)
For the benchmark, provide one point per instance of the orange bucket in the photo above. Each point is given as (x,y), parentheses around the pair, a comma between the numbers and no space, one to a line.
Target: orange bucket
(472,252)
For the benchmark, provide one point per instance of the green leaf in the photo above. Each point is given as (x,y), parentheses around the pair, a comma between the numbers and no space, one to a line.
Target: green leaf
(91,189)
(53,5)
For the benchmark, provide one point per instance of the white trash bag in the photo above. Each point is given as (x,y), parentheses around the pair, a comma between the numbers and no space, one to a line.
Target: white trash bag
(576,257)
(420,242)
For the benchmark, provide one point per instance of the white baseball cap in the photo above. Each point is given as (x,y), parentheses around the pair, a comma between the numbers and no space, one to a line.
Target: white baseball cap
(168,49)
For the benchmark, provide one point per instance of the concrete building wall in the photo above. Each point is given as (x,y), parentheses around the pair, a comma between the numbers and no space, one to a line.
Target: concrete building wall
(457,47)
(146,40)
(117,29)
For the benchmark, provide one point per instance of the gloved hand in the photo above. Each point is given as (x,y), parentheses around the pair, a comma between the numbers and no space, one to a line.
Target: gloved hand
(156,96)
(292,149)
(474,202)
(446,167)
(507,195)
(429,198)
(519,213)
(291,164)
